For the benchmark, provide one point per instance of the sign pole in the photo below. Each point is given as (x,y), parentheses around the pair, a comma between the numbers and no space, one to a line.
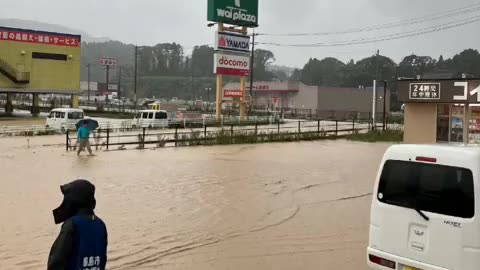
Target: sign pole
(243,86)
(88,76)
(219,87)
(108,71)
(374,104)
(243,99)
(219,97)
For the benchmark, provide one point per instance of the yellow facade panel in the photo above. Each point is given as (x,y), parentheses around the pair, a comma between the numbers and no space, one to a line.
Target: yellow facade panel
(39,60)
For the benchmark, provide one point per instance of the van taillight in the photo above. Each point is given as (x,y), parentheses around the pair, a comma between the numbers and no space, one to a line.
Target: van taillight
(426,159)
(381,261)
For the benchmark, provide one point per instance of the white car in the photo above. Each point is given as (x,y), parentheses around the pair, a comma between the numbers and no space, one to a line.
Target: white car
(150,119)
(64,119)
(425,209)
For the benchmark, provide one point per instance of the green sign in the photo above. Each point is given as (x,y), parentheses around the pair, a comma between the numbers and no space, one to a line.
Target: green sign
(236,12)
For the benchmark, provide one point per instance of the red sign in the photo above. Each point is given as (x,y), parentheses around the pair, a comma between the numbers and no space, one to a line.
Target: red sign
(108,61)
(275,100)
(232,93)
(39,38)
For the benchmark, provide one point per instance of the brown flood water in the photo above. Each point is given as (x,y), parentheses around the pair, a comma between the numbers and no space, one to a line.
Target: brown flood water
(270,206)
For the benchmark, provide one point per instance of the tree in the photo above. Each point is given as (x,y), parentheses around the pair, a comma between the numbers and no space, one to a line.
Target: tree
(467,62)
(326,72)
(263,59)
(202,61)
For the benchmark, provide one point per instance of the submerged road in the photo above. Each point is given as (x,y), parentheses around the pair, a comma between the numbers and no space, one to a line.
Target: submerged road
(273,206)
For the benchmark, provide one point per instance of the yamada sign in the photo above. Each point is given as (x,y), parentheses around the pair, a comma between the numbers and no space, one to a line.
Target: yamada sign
(440,91)
(230,64)
(232,42)
(236,12)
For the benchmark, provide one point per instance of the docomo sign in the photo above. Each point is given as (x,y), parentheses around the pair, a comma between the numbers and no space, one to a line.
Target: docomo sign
(232,42)
(230,64)
(108,61)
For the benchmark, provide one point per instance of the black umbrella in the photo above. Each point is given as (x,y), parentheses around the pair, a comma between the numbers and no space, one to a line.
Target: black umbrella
(91,124)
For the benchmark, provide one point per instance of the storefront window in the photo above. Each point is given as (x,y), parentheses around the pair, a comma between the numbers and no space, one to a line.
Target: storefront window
(443,122)
(457,123)
(474,125)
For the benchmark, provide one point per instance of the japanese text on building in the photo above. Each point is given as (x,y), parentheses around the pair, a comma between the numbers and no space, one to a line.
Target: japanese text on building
(424,91)
(39,38)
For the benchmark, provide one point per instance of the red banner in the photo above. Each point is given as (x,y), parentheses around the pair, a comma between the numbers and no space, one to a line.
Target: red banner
(232,71)
(39,38)
(232,93)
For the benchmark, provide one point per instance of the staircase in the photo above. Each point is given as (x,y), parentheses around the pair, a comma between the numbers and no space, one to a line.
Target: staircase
(13,74)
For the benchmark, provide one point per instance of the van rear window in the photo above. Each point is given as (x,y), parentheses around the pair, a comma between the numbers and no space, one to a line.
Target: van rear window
(429,187)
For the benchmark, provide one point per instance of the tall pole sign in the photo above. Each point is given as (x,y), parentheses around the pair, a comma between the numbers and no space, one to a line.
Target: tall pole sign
(232,45)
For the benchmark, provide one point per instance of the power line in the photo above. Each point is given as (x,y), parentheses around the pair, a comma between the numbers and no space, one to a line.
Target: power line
(400,35)
(412,21)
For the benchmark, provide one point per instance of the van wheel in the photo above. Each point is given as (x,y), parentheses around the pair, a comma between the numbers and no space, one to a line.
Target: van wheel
(134,127)
(150,126)
(63,130)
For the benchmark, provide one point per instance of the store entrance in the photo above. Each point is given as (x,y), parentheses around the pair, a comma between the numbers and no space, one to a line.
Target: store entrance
(451,127)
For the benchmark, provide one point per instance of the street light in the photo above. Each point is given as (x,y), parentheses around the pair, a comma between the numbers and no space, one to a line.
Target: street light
(208,89)
(211,24)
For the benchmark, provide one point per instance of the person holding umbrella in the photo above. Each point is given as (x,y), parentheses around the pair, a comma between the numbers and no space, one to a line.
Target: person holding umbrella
(84,129)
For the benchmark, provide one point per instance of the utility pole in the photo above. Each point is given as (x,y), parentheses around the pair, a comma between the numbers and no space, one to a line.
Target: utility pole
(88,79)
(135,77)
(384,105)
(108,75)
(119,82)
(251,67)
(374,98)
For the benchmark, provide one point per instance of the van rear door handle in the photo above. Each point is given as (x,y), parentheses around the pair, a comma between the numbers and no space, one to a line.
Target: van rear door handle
(418,232)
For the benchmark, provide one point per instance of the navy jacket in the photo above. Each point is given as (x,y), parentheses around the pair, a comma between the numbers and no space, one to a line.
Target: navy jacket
(81,245)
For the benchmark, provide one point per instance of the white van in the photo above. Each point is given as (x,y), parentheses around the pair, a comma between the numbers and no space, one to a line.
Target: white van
(150,119)
(64,119)
(425,209)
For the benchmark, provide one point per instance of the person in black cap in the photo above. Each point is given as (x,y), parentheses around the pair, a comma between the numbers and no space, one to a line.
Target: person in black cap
(82,242)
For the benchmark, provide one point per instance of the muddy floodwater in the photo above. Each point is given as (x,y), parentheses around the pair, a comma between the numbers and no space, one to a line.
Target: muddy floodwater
(270,206)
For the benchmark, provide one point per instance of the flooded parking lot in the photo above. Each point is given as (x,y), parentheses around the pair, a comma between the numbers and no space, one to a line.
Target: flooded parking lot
(271,206)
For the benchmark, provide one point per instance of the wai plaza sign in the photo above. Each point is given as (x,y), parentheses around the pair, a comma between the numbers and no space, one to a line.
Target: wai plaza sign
(236,12)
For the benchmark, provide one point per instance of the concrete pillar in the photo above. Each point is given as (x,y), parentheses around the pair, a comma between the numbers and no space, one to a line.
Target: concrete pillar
(35,110)
(74,101)
(9,104)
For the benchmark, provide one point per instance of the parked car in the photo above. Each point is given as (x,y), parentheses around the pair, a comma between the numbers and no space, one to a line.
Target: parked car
(150,119)
(424,211)
(63,119)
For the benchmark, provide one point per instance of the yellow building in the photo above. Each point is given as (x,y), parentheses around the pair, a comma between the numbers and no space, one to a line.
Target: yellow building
(39,62)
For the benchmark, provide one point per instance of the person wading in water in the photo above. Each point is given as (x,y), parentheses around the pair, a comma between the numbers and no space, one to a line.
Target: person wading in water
(82,242)
(82,137)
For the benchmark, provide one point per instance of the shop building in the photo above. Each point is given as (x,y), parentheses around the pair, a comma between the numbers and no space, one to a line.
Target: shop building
(314,101)
(441,111)
(38,62)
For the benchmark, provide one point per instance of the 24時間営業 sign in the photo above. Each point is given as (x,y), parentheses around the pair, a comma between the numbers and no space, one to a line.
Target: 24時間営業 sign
(439,91)
(424,91)
(236,12)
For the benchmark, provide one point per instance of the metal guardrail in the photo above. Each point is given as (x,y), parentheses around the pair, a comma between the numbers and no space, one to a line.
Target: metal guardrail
(301,130)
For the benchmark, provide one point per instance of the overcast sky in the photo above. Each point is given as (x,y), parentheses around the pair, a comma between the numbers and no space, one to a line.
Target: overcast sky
(148,22)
